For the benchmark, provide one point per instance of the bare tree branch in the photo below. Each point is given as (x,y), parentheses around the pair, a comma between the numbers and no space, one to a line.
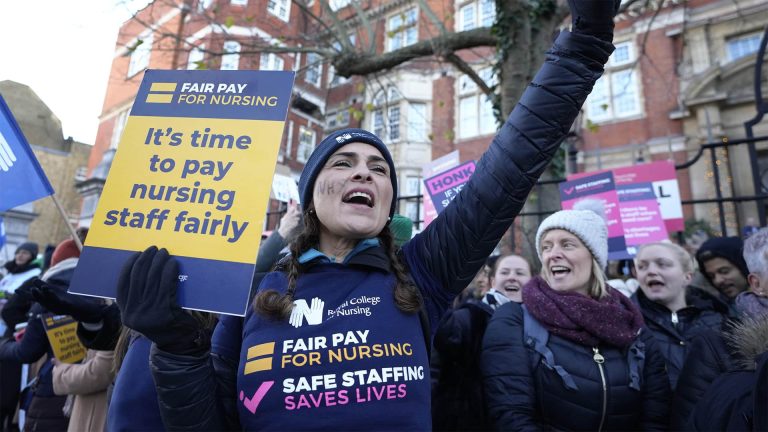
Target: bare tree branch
(348,64)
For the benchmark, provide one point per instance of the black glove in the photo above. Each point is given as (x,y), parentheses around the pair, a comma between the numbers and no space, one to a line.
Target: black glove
(83,309)
(17,307)
(146,296)
(594,17)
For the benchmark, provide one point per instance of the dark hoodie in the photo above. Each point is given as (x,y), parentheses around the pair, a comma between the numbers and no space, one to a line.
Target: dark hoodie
(675,330)
(737,400)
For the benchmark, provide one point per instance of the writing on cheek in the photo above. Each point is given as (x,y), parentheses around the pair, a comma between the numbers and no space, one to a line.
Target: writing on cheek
(329,187)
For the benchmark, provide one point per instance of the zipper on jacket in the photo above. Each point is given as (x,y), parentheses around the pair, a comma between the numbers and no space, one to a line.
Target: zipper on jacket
(674,319)
(599,359)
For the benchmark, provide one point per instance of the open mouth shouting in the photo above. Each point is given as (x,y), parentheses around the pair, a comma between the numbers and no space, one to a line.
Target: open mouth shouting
(359,197)
(511,287)
(559,271)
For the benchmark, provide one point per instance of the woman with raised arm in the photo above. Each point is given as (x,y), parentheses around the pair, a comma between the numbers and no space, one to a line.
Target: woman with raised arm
(337,337)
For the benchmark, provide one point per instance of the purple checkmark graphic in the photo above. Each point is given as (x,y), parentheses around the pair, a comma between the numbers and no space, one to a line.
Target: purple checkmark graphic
(252,403)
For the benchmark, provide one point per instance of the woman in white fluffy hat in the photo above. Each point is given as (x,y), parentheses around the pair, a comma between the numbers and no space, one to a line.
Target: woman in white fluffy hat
(575,356)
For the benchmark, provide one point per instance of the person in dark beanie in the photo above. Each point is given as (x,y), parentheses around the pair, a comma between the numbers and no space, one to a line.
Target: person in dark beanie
(346,289)
(720,260)
(20,268)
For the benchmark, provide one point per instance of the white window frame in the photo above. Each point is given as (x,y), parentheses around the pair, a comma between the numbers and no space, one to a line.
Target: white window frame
(196,54)
(238,2)
(393,123)
(402,29)
(417,129)
(412,186)
(271,61)
(742,46)
(468,23)
(230,58)
(117,129)
(202,5)
(314,67)
(141,55)
(475,109)
(486,20)
(338,4)
(608,94)
(387,117)
(307,143)
(280,9)
(337,119)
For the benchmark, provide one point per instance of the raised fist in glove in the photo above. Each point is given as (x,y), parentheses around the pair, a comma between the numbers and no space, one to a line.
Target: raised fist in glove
(594,17)
(146,296)
(58,301)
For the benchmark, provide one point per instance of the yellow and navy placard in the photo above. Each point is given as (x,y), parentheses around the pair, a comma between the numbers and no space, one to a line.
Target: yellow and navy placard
(62,334)
(192,174)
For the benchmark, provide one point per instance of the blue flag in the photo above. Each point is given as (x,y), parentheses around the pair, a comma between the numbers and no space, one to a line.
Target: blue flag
(21,178)
(2,232)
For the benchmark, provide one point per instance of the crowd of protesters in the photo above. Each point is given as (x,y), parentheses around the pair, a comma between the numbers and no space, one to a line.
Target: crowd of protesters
(453,337)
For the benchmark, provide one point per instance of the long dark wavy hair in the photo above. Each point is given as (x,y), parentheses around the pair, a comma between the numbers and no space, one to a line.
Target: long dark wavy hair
(272,304)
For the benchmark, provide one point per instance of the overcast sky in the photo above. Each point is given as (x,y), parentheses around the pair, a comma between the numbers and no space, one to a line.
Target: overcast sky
(63,50)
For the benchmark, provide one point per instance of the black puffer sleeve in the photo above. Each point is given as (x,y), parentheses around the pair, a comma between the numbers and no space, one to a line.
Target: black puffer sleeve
(454,246)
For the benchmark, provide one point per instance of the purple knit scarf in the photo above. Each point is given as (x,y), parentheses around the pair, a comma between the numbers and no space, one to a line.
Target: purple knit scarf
(614,319)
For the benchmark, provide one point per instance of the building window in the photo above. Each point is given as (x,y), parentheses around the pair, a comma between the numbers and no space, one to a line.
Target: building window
(393,115)
(417,122)
(338,4)
(196,56)
(314,69)
(239,2)
(386,114)
(117,130)
(616,94)
(480,13)
(306,144)
(743,46)
(140,55)
(230,60)
(475,107)
(281,8)
(202,5)
(412,186)
(337,119)
(467,14)
(402,30)
(271,61)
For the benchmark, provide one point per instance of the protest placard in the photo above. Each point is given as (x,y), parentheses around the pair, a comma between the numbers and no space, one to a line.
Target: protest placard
(285,189)
(192,174)
(444,186)
(22,180)
(640,215)
(599,187)
(438,165)
(62,334)
(662,178)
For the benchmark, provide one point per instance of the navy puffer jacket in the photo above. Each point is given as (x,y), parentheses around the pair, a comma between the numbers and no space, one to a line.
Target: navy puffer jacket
(674,331)
(521,397)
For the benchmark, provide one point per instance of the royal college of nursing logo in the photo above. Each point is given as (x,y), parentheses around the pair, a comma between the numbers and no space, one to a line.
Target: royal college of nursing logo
(312,313)
(7,157)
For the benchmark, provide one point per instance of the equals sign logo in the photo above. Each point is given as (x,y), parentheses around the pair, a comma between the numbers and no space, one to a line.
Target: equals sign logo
(259,358)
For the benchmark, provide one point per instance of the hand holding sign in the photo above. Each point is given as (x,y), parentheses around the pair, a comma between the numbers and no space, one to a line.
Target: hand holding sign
(146,295)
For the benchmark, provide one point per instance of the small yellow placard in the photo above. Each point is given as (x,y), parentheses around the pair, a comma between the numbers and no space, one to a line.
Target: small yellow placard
(62,334)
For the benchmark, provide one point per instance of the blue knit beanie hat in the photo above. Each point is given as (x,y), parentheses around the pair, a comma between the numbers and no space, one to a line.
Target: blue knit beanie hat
(327,147)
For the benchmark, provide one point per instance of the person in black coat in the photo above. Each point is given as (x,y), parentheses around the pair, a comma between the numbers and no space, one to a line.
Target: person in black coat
(457,398)
(596,367)
(711,355)
(738,400)
(673,312)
